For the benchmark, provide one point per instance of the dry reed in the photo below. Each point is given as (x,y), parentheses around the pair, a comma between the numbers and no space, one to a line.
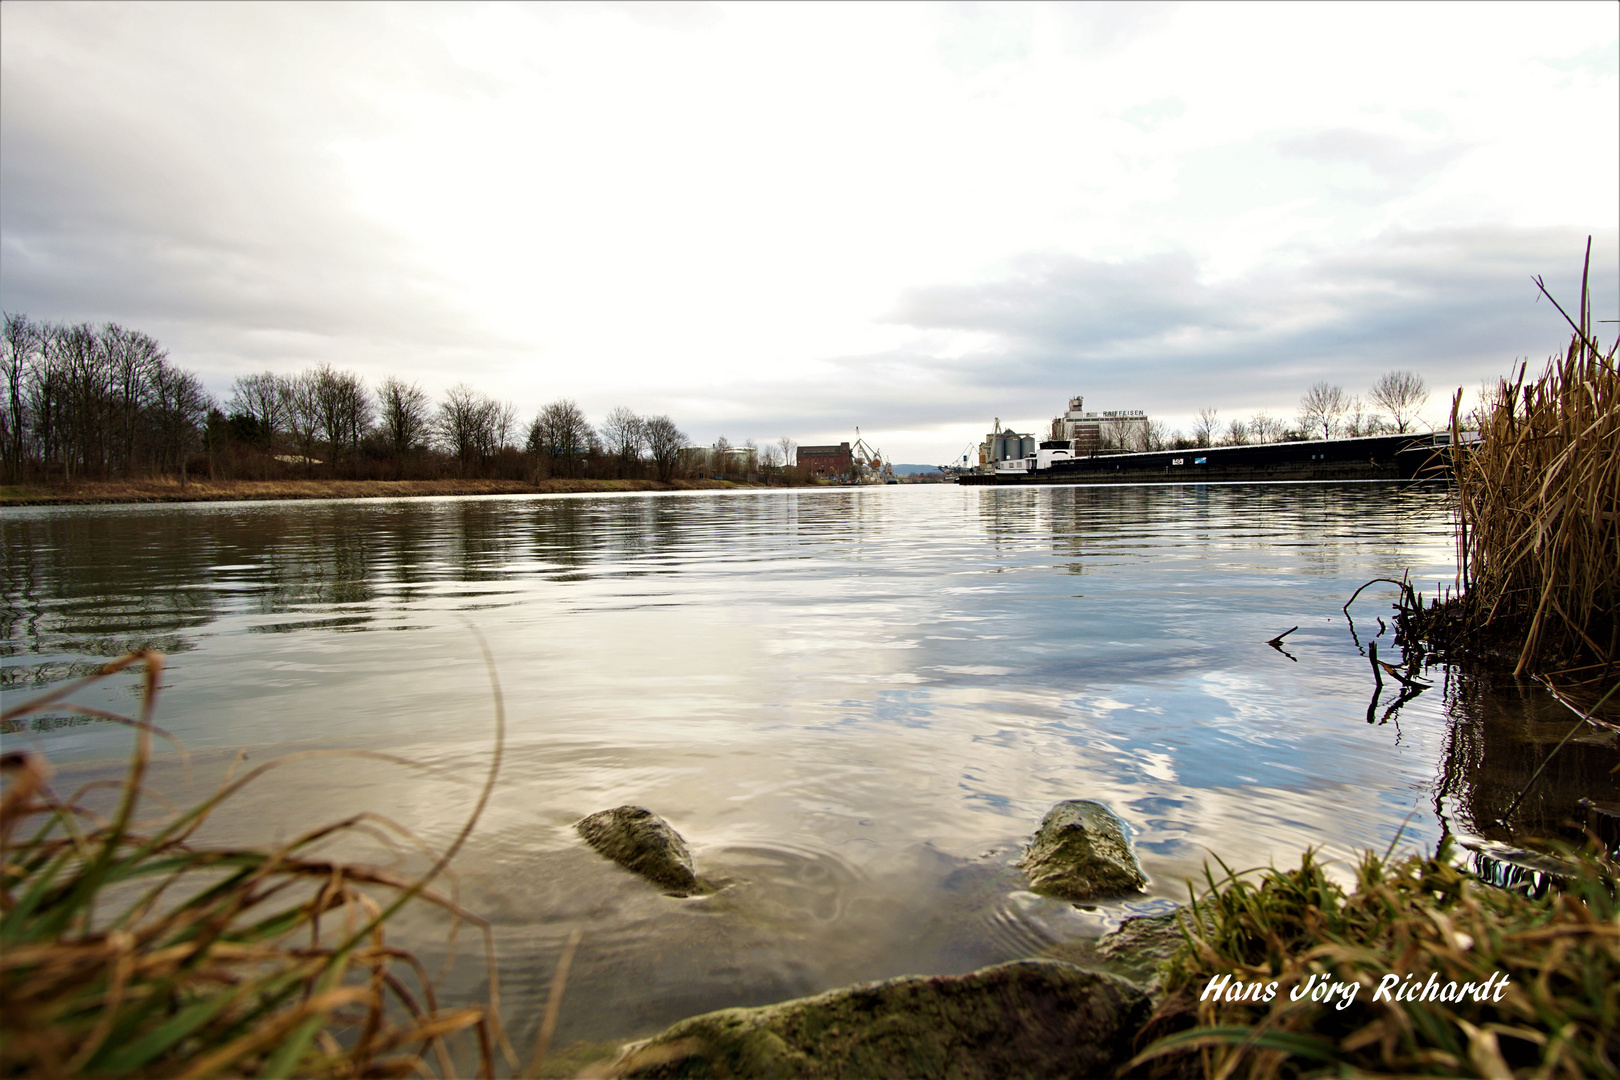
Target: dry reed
(132,951)
(1538,513)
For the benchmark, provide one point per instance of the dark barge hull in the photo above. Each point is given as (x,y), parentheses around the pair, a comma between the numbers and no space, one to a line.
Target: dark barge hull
(1374,457)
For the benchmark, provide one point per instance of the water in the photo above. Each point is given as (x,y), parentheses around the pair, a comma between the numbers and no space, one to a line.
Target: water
(854,704)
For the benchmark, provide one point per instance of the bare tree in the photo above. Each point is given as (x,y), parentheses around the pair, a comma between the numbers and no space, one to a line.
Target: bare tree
(134,358)
(343,408)
(1207,424)
(1237,433)
(1152,436)
(85,383)
(1114,433)
(560,436)
(463,415)
(502,425)
(22,342)
(1321,407)
(1362,420)
(664,442)
(1265,428)
(789,450)
(46,394)
(179,406)
(624,434)
(301,412)
(1401,394)
(260,397)
(404,416)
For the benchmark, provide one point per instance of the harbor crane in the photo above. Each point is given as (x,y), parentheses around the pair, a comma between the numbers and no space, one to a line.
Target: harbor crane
(871,467)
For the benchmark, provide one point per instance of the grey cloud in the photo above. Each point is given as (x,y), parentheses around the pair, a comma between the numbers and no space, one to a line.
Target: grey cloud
(1456,305)
(173,167)
(1384,155)
(1088,304)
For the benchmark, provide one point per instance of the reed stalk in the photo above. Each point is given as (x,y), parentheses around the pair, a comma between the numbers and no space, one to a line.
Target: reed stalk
(130,950)
(1538,512)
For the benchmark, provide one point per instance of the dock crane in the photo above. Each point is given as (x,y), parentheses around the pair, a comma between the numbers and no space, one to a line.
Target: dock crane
(870,465)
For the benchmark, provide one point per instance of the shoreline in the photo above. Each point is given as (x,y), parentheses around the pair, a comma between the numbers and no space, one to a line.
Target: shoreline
(113,492)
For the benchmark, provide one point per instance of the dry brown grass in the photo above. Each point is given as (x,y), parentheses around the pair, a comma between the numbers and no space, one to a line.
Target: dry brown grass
(168,489)
(1539,511)
(1557,1015)
(129,950)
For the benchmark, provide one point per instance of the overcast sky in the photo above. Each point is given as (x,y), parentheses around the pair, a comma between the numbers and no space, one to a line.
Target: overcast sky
(778,219)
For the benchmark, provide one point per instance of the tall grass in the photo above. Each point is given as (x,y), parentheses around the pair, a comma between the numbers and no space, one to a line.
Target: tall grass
(1539,507)
(127,949)
(1559,1015)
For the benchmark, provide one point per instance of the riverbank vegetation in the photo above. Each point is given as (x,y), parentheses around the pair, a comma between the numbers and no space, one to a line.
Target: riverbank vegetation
(1541,976)
(169,489)
(99,403)
(1538,520)
(129,949)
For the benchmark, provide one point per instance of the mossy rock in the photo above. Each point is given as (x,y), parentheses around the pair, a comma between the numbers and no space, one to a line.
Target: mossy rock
(1029,1018)
(1080,853)
(642,842)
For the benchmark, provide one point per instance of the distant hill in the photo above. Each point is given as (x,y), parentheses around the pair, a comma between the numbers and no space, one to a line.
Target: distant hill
(913,470)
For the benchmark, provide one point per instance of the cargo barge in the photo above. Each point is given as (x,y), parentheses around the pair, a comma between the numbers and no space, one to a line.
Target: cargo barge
(1373,457)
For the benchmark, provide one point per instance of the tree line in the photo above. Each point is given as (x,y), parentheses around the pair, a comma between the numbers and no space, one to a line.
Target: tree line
(1392,406)
(85,401)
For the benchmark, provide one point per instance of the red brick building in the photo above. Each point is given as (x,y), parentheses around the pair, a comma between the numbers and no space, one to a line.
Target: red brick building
(826,461)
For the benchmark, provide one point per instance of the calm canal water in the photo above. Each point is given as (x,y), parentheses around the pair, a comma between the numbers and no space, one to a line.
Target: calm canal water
(854,704)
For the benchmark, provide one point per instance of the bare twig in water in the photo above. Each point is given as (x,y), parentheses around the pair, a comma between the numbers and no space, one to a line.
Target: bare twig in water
(1378,680)
(1405,678)
(1401,585)
(1276,643)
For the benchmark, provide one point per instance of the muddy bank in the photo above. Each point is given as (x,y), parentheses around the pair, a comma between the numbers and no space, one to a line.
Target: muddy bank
(169,490)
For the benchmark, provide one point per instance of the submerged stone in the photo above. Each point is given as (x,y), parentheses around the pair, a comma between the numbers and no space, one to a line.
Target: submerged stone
(1080,853)
(1139,949)
(642,842)
(1029,1018)
(1143,940)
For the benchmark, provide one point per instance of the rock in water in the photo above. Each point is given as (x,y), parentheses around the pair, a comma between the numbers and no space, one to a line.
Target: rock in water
(641,841)
(1029,1018)
(1139,949)
(1144,940)
(1080,853)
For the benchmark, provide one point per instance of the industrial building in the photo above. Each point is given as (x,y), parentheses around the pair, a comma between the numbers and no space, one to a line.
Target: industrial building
(1088,433)
(827,462)
(1079,433)
(743,460)
(1006,445)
